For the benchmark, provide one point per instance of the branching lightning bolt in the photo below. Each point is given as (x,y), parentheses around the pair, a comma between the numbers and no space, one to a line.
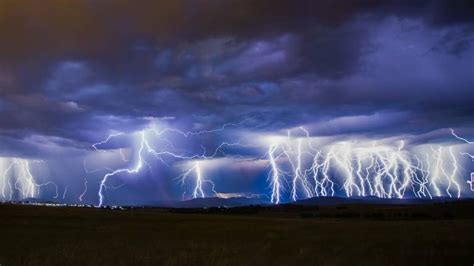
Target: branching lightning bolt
(146,147)
(362,170)
(18,178)
(470,182)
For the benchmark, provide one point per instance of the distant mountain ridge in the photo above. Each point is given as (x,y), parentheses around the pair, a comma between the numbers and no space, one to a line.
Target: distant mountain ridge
(322,201)
(221,202)
(328,201)
(246,201)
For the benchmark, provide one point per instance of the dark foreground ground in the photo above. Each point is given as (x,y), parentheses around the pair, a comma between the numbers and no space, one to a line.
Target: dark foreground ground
(295,235)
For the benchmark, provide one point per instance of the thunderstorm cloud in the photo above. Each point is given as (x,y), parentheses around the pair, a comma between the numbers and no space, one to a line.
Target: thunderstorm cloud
(73,72)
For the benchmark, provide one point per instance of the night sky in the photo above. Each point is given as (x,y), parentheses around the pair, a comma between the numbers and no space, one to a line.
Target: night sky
(242,73)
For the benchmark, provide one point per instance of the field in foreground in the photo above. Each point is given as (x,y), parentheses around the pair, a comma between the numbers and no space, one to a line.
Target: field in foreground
(34,235)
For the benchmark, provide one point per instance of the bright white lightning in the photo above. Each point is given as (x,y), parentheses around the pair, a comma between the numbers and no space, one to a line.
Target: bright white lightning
(138,165)
(383,171)
(111,136)
(146,147)
(81,196)
(298,177)
(196,171)
(274,175)
(386,171)
(6,180)
(470,182)
(454,173)
(460,138)
(200,132)
(18,179)
(198,188)
(65,191)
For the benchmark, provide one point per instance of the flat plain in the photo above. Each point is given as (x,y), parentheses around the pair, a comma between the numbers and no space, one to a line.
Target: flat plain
(347,235)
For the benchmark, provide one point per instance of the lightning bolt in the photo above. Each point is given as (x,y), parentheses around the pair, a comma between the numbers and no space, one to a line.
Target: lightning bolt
(146,147)
(24,183)
(65,191)
(385,171)
(365,170)
(133,170)
(460,138)
(111,136)
(274,175)
(470,182)
(7,181)
(196,170)
(81,196)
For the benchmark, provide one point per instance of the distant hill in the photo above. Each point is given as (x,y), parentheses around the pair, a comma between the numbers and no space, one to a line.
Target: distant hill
(37,200)
(330,201)
(221,202)
(316,201)
(246,201)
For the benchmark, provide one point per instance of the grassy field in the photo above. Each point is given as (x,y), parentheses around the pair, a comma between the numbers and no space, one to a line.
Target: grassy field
(33,235)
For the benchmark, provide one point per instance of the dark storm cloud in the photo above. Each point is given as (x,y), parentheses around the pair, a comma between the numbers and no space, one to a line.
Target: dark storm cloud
(78,69)
(51,30)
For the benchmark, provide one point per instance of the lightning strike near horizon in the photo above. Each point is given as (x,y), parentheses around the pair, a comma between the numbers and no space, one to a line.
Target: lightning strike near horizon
(360,169)
(18,181)
(65,192)
(133,170)
(196,171)
(274,175)
(470,182)
(146,138)
(81,196)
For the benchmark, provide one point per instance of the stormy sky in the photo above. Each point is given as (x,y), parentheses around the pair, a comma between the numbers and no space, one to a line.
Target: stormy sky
(73,72)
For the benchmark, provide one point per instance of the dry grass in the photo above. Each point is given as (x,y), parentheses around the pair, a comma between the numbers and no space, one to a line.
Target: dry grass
(72,236)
